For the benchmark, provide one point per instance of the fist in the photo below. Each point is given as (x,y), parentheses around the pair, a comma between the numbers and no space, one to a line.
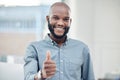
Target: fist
(49,66)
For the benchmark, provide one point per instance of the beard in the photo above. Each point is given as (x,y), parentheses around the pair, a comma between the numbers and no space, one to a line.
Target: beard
(51,28)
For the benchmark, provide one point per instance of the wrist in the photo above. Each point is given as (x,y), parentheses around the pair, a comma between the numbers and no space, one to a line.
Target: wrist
(36,77)
(39,76)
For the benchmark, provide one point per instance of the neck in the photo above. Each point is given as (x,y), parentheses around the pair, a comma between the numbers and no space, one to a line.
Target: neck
(58,41)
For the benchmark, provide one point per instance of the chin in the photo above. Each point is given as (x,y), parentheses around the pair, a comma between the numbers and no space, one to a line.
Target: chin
(59,35)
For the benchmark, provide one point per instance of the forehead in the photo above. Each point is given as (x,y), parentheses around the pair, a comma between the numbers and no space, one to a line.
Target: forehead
(60,11)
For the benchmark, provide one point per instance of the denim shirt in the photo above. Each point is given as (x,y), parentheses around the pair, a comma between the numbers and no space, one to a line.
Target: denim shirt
(72,59)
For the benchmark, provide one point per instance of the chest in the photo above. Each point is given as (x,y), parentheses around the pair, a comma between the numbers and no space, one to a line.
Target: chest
(65,57)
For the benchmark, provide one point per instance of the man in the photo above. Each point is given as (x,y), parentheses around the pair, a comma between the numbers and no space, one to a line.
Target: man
(58,57)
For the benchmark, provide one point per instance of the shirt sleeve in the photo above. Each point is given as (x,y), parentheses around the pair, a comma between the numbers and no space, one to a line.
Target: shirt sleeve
(87,68)
(31,63)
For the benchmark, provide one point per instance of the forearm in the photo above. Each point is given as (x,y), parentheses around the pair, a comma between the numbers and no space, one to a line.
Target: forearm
(31,64)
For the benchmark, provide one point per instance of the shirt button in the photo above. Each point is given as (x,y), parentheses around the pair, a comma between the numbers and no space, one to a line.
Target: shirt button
(61,72)
(61,60)
(60,50)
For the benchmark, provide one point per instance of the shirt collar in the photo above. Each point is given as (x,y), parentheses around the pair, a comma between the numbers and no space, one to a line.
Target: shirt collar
(48,39)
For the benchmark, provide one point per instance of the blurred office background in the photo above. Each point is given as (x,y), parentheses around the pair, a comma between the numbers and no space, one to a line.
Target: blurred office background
(95,22)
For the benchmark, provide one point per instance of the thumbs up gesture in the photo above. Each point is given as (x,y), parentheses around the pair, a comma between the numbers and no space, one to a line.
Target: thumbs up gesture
(49,66)
(48,56)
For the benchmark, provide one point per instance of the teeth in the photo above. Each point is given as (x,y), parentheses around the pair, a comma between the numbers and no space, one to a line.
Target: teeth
(58,28)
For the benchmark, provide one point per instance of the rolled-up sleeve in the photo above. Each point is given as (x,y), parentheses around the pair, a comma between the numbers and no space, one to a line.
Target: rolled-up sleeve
(31,63)
(87,67)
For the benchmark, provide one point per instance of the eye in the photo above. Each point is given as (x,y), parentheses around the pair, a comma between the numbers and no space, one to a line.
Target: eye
(66,19)
(55,18)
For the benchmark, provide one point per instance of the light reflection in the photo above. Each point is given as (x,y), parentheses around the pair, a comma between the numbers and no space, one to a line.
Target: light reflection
(26,2)
(19,2)
(10,59)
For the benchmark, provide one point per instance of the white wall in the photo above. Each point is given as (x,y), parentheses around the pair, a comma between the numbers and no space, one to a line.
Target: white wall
(82,23)
(97,23)
(107,36)
(10,71)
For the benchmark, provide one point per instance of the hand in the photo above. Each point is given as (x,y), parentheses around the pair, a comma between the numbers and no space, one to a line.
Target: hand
(49,66)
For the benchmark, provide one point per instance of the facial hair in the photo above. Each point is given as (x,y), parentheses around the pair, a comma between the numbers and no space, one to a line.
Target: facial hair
(51,28)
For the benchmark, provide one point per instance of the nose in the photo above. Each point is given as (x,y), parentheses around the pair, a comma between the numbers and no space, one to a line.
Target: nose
(60,23)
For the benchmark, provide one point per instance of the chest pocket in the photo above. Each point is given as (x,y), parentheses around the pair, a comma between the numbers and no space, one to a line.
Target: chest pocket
(75,64)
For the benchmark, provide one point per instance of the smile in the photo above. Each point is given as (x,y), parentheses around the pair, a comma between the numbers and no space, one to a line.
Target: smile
(59,28)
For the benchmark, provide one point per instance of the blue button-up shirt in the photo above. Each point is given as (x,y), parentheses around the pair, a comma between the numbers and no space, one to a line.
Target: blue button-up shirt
(72,60)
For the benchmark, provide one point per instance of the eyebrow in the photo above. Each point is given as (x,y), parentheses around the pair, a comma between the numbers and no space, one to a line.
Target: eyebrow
(58,16)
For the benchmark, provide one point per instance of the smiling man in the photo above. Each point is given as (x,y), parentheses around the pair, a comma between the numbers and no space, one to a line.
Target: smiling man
(59,22)
(58,57)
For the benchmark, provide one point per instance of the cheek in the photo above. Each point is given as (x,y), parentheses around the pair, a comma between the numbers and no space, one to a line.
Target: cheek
(68,24)
(52,22)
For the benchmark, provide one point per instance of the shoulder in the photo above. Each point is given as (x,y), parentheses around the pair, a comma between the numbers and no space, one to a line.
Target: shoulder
(80,46)
(37,43)
(77,42)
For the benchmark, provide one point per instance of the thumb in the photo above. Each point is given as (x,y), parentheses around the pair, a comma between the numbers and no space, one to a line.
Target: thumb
(48,56)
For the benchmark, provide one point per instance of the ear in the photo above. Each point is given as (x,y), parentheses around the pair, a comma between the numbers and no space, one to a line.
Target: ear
(70,21)
(47,18)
